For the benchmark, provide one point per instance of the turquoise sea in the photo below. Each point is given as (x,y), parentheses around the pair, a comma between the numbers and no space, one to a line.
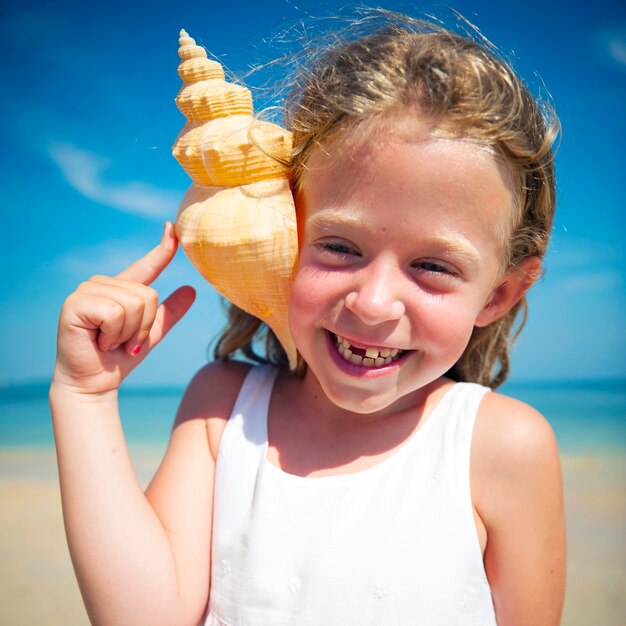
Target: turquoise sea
(587,416)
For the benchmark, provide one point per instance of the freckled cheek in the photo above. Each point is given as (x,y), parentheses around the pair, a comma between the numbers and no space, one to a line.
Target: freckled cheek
(311,306)
(443,320)
(311,293)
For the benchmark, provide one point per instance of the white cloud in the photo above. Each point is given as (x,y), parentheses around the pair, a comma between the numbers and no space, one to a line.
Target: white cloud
(592,282)
(579,268)
(112,256)
(107,257)
(83,170)
(577,254)
(617,50)
(613,43)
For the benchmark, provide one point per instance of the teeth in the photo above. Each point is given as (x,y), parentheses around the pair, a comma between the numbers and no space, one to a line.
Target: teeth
(373,356)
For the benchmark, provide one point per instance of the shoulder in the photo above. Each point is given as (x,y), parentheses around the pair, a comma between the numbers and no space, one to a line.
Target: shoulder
(514,460)
(211,395)
(214,387)
(511,436)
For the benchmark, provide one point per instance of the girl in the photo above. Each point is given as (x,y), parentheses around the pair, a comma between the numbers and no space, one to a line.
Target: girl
(382,484)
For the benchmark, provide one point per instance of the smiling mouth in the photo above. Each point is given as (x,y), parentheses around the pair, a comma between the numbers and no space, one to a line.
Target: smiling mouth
(368,356)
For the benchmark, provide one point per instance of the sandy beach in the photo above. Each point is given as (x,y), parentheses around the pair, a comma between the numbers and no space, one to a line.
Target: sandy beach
(38,585)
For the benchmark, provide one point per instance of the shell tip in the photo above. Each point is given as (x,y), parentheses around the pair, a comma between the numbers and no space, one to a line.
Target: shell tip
(183,33)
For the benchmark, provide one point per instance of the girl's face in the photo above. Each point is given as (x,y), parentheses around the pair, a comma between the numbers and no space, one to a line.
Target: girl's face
(401,249)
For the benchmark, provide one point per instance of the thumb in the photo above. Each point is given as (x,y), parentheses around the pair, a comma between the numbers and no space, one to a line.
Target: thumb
(170,311)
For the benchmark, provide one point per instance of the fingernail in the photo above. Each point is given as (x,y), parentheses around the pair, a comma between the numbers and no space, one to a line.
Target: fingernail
(135,351)
(114,347)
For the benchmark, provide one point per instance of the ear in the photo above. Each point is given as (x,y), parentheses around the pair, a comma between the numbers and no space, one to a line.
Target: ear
(509,291)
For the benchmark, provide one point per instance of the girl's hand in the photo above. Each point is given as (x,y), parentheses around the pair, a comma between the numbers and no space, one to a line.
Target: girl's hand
(110,324)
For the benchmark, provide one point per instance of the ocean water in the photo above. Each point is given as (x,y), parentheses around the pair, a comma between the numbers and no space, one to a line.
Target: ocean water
(587,417)
(147,416)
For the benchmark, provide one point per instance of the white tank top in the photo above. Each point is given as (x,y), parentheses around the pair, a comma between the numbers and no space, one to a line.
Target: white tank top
(391,545)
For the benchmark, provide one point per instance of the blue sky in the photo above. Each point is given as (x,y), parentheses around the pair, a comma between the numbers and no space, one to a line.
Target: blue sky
(87,177)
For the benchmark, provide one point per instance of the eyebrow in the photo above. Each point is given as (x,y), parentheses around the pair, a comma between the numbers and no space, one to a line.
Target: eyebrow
(328,221)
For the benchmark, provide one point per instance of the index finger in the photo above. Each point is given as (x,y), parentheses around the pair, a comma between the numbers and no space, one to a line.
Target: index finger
(147,269)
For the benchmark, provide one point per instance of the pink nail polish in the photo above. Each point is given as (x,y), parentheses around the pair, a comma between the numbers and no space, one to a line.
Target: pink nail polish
(136,350)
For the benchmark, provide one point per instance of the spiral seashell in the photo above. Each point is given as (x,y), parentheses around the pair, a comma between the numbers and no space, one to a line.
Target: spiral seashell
(237,221)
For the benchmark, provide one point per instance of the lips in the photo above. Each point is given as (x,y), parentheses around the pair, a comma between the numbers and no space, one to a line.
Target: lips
(368,356)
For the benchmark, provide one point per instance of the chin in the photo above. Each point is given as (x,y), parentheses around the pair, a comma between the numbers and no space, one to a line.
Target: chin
(365,395)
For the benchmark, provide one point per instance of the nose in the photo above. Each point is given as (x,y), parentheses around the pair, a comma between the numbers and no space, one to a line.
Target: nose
(376,297)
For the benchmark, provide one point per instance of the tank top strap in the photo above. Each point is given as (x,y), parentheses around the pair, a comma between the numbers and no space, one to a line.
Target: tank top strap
(456,432)
(247,425)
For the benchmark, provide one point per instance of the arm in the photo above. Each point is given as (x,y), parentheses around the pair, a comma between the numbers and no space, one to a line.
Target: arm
(518,493)
(128,569)
(187,472)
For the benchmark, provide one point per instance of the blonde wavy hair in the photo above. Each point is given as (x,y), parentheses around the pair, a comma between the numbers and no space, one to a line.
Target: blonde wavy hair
(386,63)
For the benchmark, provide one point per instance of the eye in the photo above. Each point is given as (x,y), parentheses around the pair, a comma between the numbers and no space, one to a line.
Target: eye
(436,269)
(335,253)
(336,248)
